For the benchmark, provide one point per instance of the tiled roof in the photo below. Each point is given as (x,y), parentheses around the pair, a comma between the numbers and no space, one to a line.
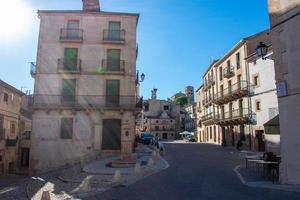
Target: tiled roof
(9,87)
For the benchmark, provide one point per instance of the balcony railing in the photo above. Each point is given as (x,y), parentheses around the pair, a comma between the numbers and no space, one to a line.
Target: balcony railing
(71,35)
(228,72)
(32,69)
(209,118)
(237,116)
(114,36)
(67,65)
(11,142)
(210,82)
(113,65)
(234,92)
(85,101)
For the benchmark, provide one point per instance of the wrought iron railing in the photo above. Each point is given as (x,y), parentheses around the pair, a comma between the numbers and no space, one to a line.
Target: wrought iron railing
(32,69)
(113,65)
(236,113)
(89,101)
(231,90)
(71,34)
(228,72)
(114,35)
(69,65)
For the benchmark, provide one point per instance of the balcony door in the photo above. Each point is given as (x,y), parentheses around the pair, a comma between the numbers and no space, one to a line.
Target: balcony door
(111,134)
(70,59)
(241,109)
(73,29)
(114,31)
(113,59)
(229,87)
(68,91)
(112,92)
(239,82)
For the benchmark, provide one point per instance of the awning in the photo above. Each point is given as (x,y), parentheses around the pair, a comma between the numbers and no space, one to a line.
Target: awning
(273,122)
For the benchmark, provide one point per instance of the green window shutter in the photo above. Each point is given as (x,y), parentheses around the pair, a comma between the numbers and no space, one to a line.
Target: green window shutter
(70,59)
(113,59)
(113,92)
(66,128)
(114,32)
(69,90)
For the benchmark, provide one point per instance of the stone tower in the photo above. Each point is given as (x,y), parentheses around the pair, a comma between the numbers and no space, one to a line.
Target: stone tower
(189,92)
(154,93)
(91,5)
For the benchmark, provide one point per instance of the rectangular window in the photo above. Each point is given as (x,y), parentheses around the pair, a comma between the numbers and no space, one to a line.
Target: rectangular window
(66,128)
(113,59)
(73,29)
(68,90)
(238,60)
(156,128)
(257,105)
(12,128)
(112,92)
(228,64)
(70,59)
(166,107)
(114,32)
(221,73)
(256,80)
(5,97)
(2,130)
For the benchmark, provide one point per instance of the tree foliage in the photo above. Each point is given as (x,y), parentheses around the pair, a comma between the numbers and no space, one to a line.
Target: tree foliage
(181,100)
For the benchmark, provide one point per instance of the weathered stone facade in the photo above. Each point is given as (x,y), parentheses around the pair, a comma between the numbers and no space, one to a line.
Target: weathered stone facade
(85,95)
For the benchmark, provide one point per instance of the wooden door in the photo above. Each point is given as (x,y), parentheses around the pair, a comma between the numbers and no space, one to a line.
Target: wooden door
(111,134)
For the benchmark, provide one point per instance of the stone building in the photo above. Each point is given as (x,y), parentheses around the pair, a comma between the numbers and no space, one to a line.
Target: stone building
(227,114)
(85,94)
(10,117)
(264,103)
(190,117)
(199,114)
(189,92)
(285,34)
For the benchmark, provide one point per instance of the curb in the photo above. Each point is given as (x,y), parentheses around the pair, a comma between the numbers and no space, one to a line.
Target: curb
(266,185)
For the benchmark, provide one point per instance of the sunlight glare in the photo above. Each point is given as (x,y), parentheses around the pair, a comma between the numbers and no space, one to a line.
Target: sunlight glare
(15,19)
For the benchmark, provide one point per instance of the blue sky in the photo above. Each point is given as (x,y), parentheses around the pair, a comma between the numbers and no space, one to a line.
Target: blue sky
(177,38)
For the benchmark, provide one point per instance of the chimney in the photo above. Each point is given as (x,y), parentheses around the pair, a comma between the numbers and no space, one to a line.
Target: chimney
(154,94)
(91,5)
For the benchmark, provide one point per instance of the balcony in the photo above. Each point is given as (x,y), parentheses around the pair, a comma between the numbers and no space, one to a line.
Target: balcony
(209,119)
(236,117)
(236,91)
(11,142)
(71,35)
(114,36)
(207,101)
(66,65)
(209,83)
(113,66)
(228,72)
(82,102)
(32,69)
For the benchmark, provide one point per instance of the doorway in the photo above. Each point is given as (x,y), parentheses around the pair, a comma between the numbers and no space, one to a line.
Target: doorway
(111,134)
(260,140)
(165,136)
(25,157)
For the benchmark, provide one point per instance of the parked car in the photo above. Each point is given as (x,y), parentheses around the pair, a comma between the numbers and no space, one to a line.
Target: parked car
(190,139)
(147,138)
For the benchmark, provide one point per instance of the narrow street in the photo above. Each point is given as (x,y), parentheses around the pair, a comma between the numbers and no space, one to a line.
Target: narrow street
(197,171)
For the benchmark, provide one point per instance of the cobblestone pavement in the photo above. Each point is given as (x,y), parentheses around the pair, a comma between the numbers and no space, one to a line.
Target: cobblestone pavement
(71,182)
(197,171)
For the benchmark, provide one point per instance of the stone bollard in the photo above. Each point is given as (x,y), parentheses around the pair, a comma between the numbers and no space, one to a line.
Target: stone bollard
(86,185)
(117,176)
(46,195)
(151,162)
(137,168)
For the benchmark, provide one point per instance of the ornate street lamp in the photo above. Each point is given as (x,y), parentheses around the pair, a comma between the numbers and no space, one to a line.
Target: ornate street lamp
(262,50)
(139,78)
